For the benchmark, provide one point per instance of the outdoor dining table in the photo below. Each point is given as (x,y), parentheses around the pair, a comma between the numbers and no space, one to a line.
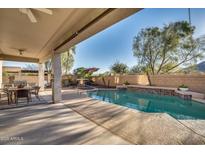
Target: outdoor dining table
(13,92)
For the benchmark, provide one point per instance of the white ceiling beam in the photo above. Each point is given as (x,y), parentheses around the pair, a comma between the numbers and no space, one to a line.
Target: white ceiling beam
(18,58)
(47,11)
(30,15)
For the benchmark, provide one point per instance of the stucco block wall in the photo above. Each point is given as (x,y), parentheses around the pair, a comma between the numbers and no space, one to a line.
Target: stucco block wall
(120,79)
(194,82)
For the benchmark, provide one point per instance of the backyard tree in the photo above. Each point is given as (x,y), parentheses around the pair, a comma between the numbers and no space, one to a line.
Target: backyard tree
(67,60)
(103,75)
(48,66)
(136,69)
(164,50)
(118,67)
(84,73)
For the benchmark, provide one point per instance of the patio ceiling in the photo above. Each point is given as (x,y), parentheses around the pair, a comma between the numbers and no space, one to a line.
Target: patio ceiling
(59,31)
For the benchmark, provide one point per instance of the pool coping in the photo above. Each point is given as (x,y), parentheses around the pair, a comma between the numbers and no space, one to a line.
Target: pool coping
(202,101)
(198,100)
(133,110)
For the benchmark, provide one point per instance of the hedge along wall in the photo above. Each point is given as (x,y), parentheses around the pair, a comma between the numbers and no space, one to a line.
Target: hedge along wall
(195,82)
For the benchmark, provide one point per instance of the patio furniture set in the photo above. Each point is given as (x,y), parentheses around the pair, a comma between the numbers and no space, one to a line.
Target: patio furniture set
(19,90)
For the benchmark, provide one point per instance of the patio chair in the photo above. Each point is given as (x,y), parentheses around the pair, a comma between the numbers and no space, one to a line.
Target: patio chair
(35,91)
(32,84)
(19,83)
(7,85)
(5,94)
(22,94)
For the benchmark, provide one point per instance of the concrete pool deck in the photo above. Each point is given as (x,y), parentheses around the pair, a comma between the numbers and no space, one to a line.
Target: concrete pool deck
(82,120)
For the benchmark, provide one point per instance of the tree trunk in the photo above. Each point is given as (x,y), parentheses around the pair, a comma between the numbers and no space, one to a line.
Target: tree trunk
(108,84)
(149,79)
(47,77)
(104,81)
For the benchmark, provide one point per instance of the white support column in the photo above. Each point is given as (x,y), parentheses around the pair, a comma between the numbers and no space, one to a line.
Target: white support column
(1,73)
(56,85)
(41,76)
(19,75)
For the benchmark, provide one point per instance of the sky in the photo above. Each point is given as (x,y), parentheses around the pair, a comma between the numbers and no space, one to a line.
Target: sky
(115,43)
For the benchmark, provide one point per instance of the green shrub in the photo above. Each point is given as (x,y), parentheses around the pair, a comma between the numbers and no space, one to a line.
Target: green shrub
(126,83)
(183,86)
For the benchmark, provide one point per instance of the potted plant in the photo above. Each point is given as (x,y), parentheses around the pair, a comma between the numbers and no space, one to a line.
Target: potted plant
(126,83)
(183,87)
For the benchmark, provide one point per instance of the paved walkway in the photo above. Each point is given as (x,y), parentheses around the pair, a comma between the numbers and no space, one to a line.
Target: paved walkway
(51,124)
(82,120)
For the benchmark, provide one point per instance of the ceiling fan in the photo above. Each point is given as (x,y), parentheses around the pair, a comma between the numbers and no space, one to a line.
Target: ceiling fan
(30,14)
(19,50)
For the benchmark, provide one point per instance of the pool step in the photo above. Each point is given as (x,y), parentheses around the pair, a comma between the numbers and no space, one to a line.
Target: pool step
(191,93)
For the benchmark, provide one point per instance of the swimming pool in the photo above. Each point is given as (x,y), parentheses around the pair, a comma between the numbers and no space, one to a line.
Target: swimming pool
(174,106)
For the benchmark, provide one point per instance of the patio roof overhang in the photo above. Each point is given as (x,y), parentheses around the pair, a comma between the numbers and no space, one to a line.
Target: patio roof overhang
(52,33)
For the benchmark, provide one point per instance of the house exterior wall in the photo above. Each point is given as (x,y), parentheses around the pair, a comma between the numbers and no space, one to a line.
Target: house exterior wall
(28,78)
(17,73)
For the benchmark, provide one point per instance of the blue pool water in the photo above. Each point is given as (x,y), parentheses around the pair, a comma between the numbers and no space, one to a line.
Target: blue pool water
(174,106)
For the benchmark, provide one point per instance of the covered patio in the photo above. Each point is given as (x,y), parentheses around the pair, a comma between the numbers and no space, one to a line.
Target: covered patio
(35,35)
